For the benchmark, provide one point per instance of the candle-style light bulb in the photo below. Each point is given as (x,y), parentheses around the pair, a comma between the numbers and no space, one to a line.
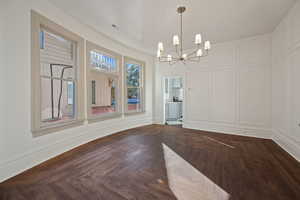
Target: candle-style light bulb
(160,46)
(158,53)
(199,53)
(207,45)
(198,39)
(169,58)
(184,56)
(175,40)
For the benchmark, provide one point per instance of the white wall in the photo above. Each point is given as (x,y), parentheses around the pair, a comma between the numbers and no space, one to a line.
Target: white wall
(2,81)
(286,82)
(229,91)
(18,149)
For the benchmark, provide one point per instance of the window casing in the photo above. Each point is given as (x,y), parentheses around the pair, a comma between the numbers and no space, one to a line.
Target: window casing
(103,82)
(134,73)
(57,76)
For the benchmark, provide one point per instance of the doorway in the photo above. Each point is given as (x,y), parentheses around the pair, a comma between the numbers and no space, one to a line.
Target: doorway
(173,100)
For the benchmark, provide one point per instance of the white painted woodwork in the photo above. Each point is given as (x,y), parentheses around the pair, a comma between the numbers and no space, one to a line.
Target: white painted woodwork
(18,149)
(228,90)
(286,82)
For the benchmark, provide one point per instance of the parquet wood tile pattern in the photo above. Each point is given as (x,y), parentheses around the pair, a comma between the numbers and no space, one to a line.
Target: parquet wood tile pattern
(131,165)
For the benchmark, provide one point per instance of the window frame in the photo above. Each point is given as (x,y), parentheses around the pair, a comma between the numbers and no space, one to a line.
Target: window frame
(90,46)
(129,60)
(39,22)
(68,92)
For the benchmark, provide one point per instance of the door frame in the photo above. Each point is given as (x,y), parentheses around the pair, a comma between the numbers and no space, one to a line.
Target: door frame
(164,96)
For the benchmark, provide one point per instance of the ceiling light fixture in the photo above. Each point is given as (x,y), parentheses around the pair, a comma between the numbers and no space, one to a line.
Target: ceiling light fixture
(194,56)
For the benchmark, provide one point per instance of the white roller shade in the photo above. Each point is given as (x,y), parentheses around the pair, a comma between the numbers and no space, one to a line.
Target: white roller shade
(56,50)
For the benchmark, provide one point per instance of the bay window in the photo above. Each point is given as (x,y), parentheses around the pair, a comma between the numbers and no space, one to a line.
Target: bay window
(57,74)
(103,82)
(134,85)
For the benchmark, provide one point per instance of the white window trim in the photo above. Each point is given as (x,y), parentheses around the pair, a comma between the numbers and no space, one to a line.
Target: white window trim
(38,21)
(143,92)
(94,47)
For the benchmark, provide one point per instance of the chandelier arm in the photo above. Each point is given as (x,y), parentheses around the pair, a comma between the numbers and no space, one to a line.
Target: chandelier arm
(194,51)
(195,61)
(172,63)
(177,51)
(198,57)
(176,58)
(165,59)
(205,54)
(192,59)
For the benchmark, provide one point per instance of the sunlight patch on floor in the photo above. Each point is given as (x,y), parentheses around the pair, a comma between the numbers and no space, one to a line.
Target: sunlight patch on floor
(219,142)
(188,183)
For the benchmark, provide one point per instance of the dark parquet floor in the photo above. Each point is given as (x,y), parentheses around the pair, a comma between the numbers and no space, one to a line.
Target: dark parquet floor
(130,165)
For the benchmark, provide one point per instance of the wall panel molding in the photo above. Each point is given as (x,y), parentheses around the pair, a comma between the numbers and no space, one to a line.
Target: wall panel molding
(229,129)
(285,82)
(215,85)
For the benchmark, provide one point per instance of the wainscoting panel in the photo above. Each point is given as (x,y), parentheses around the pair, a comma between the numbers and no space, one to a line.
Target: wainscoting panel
(223,96)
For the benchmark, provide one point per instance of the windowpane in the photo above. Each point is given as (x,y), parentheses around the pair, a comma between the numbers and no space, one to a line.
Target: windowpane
(56,49)
(58,71)
(134,99)
(103,62)
(104,94)
(57,64)
(42,40)
(71,91)
(58,87)
(57,100)
(133,75)
(94,92)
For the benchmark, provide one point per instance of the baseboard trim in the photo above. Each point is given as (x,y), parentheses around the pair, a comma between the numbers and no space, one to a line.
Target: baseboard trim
(28,160)
(230,129)
(287,143)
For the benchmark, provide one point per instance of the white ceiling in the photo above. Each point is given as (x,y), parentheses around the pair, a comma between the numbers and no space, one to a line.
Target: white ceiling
(143,23)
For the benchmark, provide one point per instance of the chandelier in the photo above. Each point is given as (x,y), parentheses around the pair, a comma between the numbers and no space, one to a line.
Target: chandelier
(181,55)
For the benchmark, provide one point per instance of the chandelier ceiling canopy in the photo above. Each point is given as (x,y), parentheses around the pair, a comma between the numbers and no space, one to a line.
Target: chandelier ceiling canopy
(201,49)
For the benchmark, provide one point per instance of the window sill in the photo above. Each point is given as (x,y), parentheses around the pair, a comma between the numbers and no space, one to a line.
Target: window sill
(135,113)
(103,118)
(56,128)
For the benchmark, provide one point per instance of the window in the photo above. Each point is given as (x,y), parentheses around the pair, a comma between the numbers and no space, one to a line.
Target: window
(104,78)
(57,74)
(42,39)
(134,85)
(70,92)
(93,92)
(103,62)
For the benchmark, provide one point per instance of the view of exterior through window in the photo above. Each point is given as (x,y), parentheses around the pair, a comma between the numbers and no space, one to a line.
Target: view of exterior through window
(103,62)
(58,71)
(58,78)
(104,82)
(134,86)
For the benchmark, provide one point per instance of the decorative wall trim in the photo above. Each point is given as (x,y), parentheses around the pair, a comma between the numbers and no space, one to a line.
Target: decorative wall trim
(92,132)
(287,143)
(257,132)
